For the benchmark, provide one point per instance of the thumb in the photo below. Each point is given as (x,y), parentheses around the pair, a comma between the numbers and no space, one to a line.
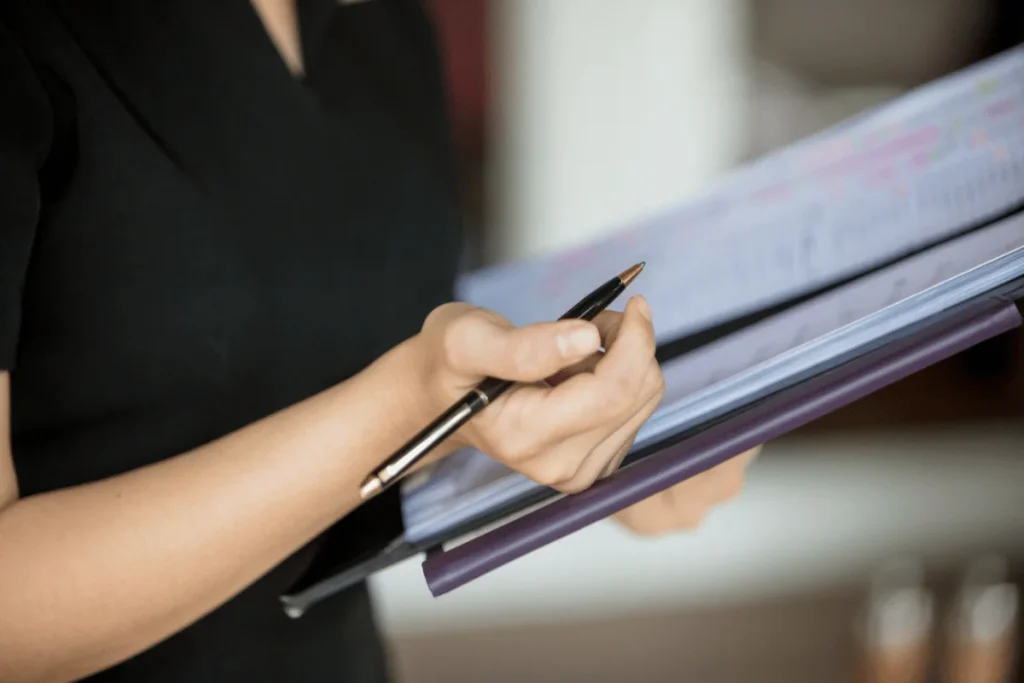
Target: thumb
(483,344)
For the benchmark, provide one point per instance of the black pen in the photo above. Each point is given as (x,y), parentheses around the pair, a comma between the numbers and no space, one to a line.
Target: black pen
(482,395)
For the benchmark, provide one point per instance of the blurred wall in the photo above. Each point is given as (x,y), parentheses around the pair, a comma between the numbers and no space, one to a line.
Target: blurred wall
(604,111)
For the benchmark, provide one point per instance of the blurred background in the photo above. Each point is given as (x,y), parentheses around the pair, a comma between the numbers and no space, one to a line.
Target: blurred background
(883,543)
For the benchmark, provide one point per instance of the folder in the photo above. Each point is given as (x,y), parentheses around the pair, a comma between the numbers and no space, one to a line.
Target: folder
(764,357)
(800,283)
(446,570)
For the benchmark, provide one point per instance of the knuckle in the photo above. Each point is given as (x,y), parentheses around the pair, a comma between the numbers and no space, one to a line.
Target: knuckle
(557,473)
(517,447)
(619,399)
(521,360)
(635,392)
(441,315)
(458,334)
(434,317)
(452,342)
(609,323)
(547,476)
(626,384)
(574,486)
(658,388)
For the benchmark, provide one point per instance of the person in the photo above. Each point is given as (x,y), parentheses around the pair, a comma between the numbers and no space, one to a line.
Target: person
(228,239)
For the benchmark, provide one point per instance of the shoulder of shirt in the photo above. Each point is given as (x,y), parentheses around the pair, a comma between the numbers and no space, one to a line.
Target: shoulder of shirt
(26,117)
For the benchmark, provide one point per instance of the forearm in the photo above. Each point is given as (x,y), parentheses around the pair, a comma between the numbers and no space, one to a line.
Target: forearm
(93,574)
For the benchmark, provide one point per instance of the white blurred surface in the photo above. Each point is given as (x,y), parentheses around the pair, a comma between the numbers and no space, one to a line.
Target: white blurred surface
(817,512)
(607,111)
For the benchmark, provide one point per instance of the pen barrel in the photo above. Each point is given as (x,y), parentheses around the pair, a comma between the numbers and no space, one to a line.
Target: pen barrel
(491,388)
(426,440)
(479,397)
(598,300)
(487,391)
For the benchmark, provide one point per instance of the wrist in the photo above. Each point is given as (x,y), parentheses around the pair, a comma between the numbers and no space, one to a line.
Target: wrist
(417,400)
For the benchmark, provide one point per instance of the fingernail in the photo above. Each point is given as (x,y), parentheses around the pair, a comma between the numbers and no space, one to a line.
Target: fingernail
(578,341)
(643,306)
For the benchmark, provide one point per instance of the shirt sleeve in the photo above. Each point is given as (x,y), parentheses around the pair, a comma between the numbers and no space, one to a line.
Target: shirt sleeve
(24,122)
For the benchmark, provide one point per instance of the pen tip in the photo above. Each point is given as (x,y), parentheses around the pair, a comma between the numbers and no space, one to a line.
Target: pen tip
(630,273)
(371,487)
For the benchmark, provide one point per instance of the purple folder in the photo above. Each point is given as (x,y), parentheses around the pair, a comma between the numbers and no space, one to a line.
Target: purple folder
(774,416)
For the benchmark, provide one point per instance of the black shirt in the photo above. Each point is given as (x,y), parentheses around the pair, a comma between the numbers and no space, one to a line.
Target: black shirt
(184,230)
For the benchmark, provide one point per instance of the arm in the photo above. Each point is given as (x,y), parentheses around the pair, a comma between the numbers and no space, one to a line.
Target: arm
(92,574)
(8,484)
(85,571)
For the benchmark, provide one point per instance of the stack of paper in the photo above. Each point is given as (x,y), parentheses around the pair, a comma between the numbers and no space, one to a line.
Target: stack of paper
(939,161)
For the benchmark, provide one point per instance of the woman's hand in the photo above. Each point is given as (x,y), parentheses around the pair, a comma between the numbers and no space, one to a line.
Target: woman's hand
(685,505)
(563,433)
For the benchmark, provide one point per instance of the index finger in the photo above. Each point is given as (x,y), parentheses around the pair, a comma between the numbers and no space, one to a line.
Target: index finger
(625,362)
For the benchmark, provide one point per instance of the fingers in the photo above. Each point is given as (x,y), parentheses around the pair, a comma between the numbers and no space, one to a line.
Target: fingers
(685,505)
(609,454)
(607,324)
(633,348)
(581,406)
(481,343)
(613,466)
(624,379)
(719,484)
(681,507)
(567,450)
(568,438)
(727,480)
(569,435)
(658,515)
